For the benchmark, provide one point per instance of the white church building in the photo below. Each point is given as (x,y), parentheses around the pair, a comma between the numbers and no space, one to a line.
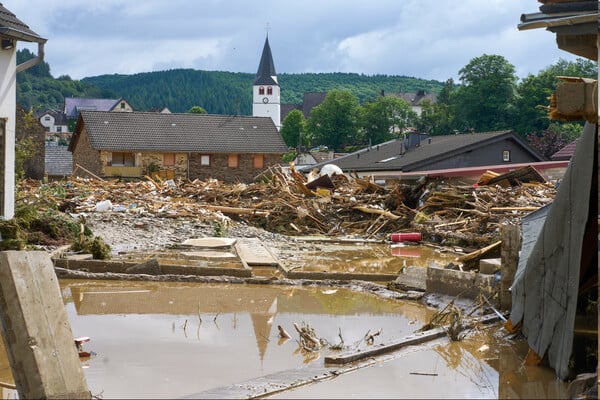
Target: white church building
(266,99)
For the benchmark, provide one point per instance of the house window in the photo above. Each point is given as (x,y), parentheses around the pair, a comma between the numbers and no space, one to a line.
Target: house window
(506,155)
(46,118)
(269,90)
(233,161)
(169,159)
(261,90)
(123,159)
(59,129)
(122,105)
(205,160)
(258,161)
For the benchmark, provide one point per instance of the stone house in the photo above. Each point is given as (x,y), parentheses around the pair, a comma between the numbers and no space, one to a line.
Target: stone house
(189,146)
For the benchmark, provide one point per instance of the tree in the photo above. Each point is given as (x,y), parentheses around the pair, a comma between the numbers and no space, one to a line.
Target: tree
(334,122)
(534,92)
(197,110)
(484,102)
(294,127)
(386,117)
(554,138)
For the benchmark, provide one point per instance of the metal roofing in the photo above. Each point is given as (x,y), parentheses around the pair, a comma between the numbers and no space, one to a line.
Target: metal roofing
(59,161)
(14,28)
(266,74)
(394,155)
(74,105)
(198,133)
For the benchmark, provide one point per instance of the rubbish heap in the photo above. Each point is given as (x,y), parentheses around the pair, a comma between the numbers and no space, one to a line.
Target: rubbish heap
(287,202)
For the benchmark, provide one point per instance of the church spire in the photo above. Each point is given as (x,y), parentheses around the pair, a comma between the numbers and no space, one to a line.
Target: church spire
(266,74)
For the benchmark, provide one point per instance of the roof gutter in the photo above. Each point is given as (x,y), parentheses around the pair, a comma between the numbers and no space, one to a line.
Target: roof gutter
(535,23)
(16,34)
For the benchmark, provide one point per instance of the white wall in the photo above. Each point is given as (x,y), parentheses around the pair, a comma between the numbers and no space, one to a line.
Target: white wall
(8,99)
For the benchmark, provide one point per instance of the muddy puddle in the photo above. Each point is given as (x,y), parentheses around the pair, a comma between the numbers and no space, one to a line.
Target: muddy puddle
(365,258)
(169,340)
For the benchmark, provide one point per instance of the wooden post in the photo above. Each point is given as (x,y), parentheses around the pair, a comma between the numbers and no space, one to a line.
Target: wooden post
(36,330)
(509,254)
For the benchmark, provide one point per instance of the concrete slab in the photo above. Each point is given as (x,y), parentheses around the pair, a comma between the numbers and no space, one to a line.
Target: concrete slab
(210,242)
(413,278)
(36,330)
(453,283)
(80,257)
(253,252)
(209,255)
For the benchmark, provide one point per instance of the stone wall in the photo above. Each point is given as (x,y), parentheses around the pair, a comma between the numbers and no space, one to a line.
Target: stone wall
(180,167)
(219,169)
(87,157)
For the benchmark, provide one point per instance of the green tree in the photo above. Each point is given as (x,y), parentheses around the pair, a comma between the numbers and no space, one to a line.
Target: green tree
(484,102)
(534,91)
(385,118)
(197,110)
(294,127)
(334,122)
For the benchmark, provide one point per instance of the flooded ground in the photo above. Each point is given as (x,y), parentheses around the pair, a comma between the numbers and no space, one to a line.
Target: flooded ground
(169,340)
(374,258)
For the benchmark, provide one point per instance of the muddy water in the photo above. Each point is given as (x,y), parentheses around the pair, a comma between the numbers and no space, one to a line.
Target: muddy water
(363,257)
(169,340)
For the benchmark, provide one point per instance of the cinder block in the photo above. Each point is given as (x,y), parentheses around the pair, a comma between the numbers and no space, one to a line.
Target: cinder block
(488,266)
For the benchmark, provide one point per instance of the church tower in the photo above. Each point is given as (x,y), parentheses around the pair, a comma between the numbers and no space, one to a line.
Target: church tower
(265,92)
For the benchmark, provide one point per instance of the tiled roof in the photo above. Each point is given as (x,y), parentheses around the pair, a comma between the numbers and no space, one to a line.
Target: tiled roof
(73,105)
(565,153)
(59,161)
(204,133)
(393,155)
(13,27)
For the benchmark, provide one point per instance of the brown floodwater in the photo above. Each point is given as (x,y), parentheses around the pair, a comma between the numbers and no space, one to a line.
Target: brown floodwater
(168,340)
(374,258)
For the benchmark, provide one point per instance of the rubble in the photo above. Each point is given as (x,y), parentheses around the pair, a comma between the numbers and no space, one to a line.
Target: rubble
(282,201)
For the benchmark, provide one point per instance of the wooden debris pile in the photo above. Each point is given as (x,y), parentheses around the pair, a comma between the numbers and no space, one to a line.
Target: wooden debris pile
(283,201)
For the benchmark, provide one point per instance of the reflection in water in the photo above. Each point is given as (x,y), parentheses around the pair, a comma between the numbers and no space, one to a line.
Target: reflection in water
(362,257)
(165,340)
(173,339)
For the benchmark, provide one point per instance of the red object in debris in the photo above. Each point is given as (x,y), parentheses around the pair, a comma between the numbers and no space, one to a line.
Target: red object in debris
(79,344)
(406,237)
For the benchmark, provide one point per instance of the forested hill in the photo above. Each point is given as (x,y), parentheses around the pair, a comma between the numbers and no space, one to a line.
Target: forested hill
(180,89)
(231,93)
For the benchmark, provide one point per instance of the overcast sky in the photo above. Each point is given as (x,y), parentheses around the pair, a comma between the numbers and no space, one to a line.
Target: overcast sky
(430,39)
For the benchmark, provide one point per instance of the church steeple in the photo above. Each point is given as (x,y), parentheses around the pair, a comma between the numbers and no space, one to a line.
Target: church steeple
(266,74)
(265,93)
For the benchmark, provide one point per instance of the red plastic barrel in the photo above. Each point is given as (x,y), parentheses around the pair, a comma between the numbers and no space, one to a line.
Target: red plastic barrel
(406,237)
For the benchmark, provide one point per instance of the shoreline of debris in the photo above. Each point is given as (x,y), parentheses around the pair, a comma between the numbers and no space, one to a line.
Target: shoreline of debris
(282,204)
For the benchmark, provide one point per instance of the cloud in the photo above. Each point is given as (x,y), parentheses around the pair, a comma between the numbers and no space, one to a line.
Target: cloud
(422,38)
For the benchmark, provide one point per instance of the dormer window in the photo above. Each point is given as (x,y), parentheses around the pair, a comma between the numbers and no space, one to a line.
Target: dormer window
(269,90)
(261,90)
